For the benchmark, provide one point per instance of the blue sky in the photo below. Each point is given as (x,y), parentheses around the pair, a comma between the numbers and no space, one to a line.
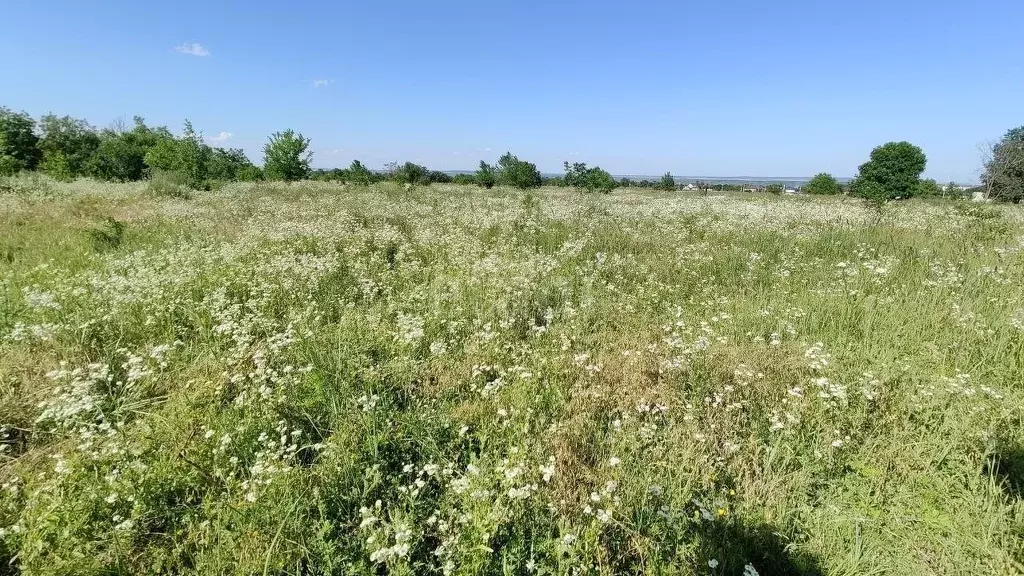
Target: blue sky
(714,88)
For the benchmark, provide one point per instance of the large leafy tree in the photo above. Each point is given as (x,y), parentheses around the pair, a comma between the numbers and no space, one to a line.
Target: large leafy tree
(579,176)
(517,173)
(893,171)
(19,145)
(1004,169)
(823,184)
(68,145)
(286,156)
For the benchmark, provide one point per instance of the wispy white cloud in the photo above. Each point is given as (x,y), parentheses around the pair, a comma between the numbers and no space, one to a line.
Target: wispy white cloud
(487,149)
(222,137)
(192,49)
(320,83)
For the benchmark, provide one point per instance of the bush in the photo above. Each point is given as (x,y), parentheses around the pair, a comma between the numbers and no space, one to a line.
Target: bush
(896,167)
(823,184)
(359,174)
(227,164)
(18,142)
(68,146)
(121,155)
(186,156)
(1004,170)
(775,188)
(589,179)
(667,182)
(517,173)
(409,173)
(870,190)
(286,156)
(169,184)
(485,175)
(928,189)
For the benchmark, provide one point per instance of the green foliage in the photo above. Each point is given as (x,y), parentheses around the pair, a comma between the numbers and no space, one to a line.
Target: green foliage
(169,184)
(56,165)
(928,188)
(187,156)
(68,145)
(107,236)
(286,156)
(359,174)
(464,179)
(1004,170)
(18,142)
(593,179)
(822,184)
(896,167)
(485,176)
(121,155)
(229,164)
(775,188)
(512,171)
(875,193)
(667,182)
(410,173)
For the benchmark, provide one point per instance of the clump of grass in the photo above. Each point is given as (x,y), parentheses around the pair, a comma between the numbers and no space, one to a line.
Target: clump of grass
(107,236)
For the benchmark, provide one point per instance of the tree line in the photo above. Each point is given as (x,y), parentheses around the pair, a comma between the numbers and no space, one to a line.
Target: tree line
(67,148)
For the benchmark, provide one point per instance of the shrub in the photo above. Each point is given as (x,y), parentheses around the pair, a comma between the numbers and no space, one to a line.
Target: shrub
(485,176)
(822,184)
(227,164)
(186,156)
(775,188)
(286,156)
(870,190)
(169,184)
(121,155)
(68,145)
(589,179)
(667,182)
(410,173)
(517,173)
(18,142)
(1004,170)
(359,174)
(896,167)
(928,188)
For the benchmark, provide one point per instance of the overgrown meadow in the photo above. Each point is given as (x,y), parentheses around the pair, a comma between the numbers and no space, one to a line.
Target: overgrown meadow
(321,379)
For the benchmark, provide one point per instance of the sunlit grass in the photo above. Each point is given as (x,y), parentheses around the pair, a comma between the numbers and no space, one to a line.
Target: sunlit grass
(312,378)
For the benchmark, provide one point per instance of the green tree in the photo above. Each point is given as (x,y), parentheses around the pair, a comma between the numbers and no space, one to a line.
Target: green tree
(485,176)
(285,156)
(121,155)
(896,167)
(359,174)
(517,173)
(775,188)
(19,145)
(410,173)
(822,184)
(68,145)
(187,157)
(1004,169)
(579,176)
(667,182)
(228,164)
